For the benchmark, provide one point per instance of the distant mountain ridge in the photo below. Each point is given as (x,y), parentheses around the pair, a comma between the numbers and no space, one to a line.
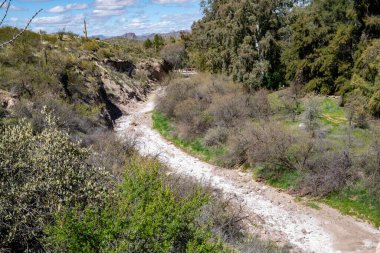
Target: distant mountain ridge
(133,36)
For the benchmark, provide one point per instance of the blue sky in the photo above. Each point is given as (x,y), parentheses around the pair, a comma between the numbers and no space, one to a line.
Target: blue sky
(106,17)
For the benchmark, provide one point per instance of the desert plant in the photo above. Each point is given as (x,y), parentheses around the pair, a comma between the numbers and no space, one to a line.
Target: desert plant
(357,112)
(311,115)
(148,43)
(41,174)
(216,136)
(370,163)
(267,144)
(145,216)
(327,172)
(228,110)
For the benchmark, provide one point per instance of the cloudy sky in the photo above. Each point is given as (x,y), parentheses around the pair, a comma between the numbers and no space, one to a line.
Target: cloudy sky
(106,17)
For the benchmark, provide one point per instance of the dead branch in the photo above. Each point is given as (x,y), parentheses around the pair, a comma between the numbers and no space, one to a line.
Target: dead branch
(21,32)
(1,6)
(6,11)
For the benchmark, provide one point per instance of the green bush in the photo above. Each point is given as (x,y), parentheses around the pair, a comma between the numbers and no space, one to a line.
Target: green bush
(41,174)
(91,45)
(145,216)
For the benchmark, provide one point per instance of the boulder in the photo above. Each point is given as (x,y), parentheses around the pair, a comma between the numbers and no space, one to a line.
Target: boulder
(7,101)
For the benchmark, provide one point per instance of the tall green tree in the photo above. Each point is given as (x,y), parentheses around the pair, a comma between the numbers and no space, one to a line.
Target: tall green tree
(158,42)
(242,39)
(321,45)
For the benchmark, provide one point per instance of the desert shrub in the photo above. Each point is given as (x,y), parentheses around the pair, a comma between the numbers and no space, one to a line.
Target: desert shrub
(106,52)
(270,144)
(91,45)
(370,163)
(357,111)
(186,110)
(66,115)
(327,172)
(311,114)
(110,151)
(178,91)
(266,143)
(40,174)
(203,102)
(193,120)
(259,105)
(216,136)
(145,216)
(237,144)
(290,100)
(228,110)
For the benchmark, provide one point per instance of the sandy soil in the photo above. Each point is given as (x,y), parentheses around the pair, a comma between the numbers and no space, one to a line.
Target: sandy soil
(270,213)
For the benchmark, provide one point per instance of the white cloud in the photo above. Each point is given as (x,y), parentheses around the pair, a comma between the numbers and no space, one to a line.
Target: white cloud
(172,1)
(57,9)
(60,20)
(68,7)
(12,7)
(76,6)
(104,8)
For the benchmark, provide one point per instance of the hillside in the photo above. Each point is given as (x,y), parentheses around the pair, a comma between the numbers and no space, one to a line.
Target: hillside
(86,82)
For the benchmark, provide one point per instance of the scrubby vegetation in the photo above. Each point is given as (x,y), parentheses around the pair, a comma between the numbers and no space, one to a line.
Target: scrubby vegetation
(63,73)
(304,143)
(68,184)
(55,196)
(41,174)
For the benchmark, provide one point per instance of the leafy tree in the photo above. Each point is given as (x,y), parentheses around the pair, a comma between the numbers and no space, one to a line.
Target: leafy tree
(158,42)
(148,43)
(321,45)
(366,78)
(241,39)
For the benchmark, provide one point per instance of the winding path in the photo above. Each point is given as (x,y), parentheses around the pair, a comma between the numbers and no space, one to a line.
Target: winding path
(273,214)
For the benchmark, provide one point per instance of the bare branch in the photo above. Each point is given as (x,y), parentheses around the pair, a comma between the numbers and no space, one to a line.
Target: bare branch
(6,12)
(1,6)
(20,33)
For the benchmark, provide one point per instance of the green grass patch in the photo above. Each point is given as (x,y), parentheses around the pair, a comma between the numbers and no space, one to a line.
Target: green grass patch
(355,201)
(313,205)
(162,124)
(278,178)
(332,113)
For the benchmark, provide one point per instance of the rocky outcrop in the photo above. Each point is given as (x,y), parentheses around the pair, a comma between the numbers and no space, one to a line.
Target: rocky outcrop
(121,66)
(121,83)
(119,89)
(155,71)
